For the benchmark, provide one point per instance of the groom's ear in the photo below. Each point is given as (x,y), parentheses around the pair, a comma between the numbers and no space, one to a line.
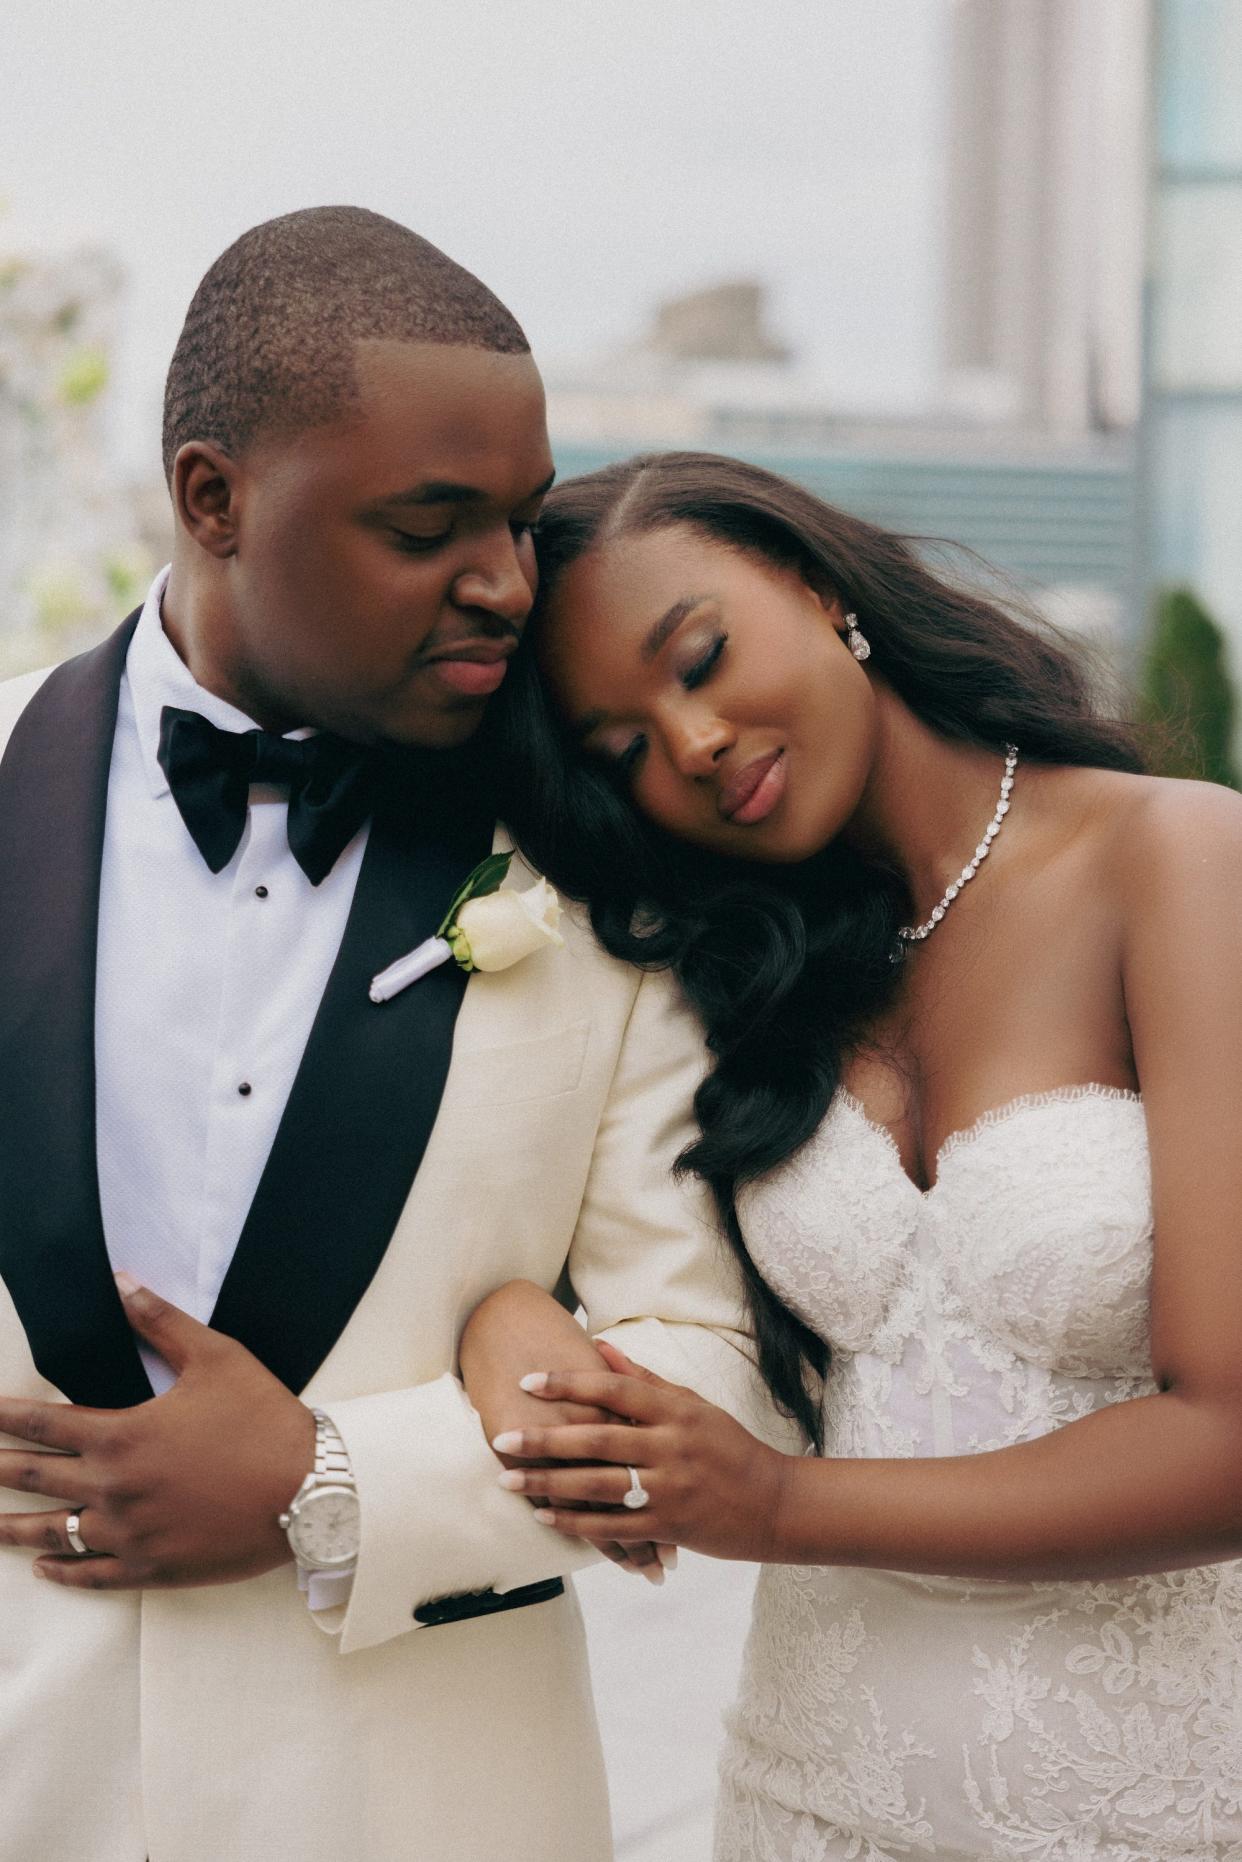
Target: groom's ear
(204,485)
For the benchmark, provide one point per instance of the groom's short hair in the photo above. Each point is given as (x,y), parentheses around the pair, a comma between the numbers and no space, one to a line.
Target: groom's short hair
(268,340)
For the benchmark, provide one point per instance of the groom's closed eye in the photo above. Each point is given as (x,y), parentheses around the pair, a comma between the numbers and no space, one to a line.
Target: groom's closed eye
(414,545)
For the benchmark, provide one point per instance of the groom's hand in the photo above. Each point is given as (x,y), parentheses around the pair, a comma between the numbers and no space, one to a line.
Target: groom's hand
(182,1490)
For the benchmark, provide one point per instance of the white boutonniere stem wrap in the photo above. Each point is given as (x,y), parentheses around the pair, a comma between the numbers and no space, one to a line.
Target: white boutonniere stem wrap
(483,929)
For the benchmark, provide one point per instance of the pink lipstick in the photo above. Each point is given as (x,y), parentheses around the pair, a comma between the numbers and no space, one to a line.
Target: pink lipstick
(753,793)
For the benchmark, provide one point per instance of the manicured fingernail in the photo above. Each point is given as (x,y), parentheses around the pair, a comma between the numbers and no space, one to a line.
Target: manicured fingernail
(126,1284)
(39,1571)
(667,1555)
(512,1480)
(537,1380)
(654,1574)
(508,1444)
(544,1517)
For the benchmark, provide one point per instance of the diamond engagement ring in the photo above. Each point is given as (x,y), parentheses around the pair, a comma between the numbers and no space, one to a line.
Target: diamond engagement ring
(638,1495)
(73,1532)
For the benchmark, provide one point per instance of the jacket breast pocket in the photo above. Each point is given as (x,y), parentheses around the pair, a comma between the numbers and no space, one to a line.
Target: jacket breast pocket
(517,1071)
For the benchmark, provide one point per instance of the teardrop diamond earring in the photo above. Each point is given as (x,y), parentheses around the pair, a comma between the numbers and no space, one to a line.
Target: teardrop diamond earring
(855,640)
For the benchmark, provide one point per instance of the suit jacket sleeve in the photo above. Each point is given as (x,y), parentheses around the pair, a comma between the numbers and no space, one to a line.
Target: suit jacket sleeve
(648,1267)
(649,1264)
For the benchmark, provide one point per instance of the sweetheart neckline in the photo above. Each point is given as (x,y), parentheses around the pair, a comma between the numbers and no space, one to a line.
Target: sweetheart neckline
(994,1115)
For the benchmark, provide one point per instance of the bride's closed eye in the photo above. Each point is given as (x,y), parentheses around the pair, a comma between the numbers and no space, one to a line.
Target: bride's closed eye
(626,761)
(623,759)
(702,668)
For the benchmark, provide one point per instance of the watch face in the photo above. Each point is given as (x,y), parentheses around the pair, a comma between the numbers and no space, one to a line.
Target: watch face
(324,1531)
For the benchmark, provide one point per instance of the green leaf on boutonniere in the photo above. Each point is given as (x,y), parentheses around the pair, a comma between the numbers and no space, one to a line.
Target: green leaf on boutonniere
(488,876)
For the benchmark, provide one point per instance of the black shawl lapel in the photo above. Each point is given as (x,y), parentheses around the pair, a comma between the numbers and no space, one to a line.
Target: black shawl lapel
(53,1259)
(362,1105)
(367,1092)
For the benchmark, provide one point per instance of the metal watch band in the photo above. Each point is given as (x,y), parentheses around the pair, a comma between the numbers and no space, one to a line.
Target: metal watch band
(332,1461)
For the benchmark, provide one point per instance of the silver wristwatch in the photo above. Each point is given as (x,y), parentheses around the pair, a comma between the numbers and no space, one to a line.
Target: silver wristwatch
(322,1520)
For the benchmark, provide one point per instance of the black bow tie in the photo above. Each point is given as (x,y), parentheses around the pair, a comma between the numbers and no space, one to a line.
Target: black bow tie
(331,787)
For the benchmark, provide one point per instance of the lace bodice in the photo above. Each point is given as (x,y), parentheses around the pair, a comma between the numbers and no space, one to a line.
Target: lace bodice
(884,1715)
(1008,1297)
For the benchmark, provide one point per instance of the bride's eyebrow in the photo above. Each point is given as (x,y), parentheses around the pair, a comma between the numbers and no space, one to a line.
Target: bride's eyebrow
(668,624)
(658,635)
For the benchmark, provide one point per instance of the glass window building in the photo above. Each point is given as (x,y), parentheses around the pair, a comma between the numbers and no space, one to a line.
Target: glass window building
(1192,424)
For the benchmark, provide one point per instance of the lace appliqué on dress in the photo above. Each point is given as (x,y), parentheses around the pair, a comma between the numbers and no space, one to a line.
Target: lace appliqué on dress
(884,1716)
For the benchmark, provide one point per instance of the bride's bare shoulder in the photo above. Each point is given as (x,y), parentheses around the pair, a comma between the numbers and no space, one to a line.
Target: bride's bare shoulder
(1158,832)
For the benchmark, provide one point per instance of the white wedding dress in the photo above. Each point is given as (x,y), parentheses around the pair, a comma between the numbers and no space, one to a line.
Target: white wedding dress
(883,1715)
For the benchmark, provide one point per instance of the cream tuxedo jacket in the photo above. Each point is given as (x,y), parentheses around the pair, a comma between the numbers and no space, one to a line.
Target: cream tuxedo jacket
(227,1724)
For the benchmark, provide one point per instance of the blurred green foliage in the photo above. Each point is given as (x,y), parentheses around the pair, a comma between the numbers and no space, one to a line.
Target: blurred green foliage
(84,377)
(127,573)
(60,597)
(1187,701)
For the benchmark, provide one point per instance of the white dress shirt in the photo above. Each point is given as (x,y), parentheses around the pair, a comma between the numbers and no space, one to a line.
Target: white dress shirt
(207,987)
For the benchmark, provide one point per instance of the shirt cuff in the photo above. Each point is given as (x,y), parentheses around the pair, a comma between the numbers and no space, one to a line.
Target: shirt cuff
(325,1590)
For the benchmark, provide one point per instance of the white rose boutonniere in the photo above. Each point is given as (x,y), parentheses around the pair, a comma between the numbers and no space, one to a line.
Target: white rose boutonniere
(501,928)
(483,929)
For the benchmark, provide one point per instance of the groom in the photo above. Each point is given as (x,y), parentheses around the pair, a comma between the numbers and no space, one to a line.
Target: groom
(229,1178)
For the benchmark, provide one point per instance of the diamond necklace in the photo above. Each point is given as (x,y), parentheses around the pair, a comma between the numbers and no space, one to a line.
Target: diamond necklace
(914,934)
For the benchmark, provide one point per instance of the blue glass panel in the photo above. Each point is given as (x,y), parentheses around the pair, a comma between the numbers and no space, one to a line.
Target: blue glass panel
(1199,123)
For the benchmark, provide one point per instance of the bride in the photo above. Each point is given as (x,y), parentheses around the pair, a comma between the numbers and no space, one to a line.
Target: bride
(972,985)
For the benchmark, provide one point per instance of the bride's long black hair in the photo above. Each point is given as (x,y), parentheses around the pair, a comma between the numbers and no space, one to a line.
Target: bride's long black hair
(786,966)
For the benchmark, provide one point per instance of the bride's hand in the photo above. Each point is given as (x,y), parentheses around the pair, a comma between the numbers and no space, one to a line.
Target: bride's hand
(711,1485)
(516,1323)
